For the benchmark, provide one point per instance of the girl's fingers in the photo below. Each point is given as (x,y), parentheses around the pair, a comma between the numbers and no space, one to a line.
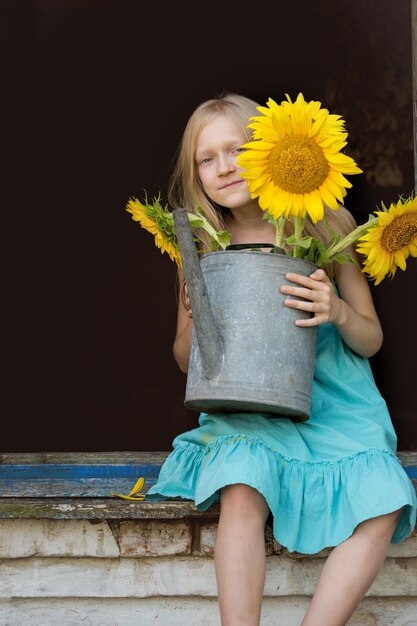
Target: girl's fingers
(311,321)
(315,292)
(316,287)
(302,305)
(313,295)
(319,274)
(320,313)
(315,280)
(300,292)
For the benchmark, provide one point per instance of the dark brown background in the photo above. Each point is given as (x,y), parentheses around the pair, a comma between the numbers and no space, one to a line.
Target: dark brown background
(96,94)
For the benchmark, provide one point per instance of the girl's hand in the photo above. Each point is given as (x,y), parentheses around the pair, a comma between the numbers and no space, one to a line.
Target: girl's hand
(318,296)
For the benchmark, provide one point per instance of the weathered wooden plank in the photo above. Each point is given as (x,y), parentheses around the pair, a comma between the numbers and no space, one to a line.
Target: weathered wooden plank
(59,480)
(92,480)
(102,508)
(70,488)
(408,457)
(76,488)
(62,471)
(83,458)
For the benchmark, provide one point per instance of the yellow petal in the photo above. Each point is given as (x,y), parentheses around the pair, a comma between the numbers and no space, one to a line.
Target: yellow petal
(138,486)
(120,495)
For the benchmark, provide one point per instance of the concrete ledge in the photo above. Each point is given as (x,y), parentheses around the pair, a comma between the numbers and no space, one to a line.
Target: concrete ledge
(179,576)
(177,611)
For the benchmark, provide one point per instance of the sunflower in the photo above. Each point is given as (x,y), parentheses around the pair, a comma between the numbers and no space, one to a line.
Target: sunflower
(391,241)
(159,222)
(294,163)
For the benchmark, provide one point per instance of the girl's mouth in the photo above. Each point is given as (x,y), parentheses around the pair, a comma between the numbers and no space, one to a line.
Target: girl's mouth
(232,184)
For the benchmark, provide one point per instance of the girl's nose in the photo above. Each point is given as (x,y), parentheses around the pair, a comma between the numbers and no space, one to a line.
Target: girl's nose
(227,163)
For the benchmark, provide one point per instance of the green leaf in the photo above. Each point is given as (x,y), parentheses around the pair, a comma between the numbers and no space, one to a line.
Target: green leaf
(195,221)
(224,238)
(344,258)
(305,242)
(214,245)
(292,241)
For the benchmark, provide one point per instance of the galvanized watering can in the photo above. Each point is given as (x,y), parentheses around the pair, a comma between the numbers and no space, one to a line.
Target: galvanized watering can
(247,354)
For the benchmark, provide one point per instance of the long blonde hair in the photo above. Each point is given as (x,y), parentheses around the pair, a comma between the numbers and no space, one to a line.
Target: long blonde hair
(186,191)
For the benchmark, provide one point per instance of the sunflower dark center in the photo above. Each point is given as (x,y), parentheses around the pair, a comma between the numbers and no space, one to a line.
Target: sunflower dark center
(400,232)
(298,164)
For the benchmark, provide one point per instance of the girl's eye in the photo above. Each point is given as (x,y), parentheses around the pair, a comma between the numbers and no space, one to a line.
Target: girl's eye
(205,161)
(239,150)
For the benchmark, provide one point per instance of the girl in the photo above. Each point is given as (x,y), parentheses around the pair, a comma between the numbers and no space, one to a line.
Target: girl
(333,481)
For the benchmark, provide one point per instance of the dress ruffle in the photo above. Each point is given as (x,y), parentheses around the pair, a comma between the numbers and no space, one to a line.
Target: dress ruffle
(314,504)
(320,478)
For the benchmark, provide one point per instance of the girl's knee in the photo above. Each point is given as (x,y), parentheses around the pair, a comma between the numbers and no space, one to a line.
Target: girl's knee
(380,528)
(243,500)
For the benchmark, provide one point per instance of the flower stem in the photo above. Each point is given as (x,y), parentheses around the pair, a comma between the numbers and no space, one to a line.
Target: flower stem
(298,231)
(199,221)
(279,231)
(350,238)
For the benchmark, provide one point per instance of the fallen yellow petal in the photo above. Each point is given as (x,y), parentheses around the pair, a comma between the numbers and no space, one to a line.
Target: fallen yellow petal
(120,495)
(138,486)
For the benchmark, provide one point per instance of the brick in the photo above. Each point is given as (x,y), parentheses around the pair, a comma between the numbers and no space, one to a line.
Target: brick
(154,538)
(207,539)
(24,538)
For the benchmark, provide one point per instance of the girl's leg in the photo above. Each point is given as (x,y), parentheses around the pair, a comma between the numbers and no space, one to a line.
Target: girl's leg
(240,555)
(349,571)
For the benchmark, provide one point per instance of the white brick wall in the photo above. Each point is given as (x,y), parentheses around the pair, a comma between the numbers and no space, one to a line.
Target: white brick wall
(161,572)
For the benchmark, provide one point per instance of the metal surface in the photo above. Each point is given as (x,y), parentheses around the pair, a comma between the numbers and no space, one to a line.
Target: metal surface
(205,326)
(247,353)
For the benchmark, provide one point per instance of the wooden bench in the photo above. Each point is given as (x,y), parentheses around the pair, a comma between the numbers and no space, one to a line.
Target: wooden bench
(71,553)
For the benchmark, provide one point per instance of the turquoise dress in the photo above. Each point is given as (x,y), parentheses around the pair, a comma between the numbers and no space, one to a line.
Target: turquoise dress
(320,478)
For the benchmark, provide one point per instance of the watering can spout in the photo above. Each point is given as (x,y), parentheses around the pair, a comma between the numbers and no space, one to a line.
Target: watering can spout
(207,335)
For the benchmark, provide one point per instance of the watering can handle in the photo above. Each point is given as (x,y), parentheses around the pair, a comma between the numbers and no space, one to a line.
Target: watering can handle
(207,335)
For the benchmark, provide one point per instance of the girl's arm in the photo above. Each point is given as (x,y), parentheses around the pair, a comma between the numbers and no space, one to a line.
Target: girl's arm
(353,313)
(182,342)
(355,316)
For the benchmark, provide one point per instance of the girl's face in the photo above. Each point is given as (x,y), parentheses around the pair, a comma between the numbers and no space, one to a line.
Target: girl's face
(218,145)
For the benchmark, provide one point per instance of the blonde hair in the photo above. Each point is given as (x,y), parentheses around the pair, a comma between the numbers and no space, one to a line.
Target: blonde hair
(186,191)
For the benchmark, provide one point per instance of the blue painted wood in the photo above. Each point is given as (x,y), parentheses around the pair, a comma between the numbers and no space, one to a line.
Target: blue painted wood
(411,471)
(42,470)
(65,480)
(58,480)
